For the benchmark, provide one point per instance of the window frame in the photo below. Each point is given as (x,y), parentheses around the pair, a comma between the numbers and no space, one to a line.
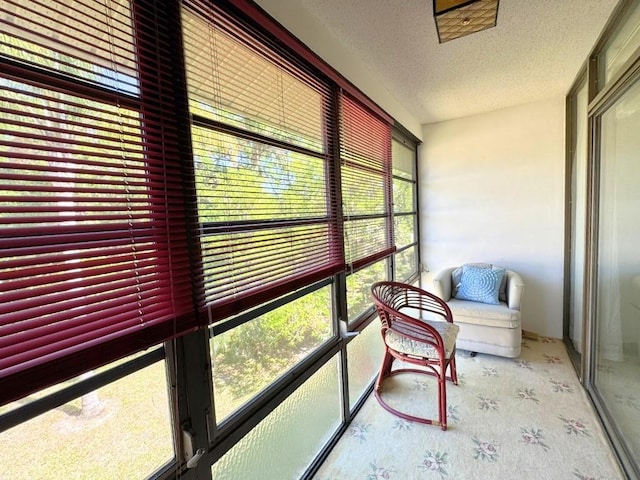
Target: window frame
(405,138)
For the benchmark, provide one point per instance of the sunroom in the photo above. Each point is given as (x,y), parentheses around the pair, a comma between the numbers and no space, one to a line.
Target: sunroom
(197,196)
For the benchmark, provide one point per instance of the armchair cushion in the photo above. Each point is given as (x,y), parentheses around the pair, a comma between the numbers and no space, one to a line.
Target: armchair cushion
(480,284)
(484,314)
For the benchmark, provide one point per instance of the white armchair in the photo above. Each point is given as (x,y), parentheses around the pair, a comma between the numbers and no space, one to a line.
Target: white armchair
(485,327)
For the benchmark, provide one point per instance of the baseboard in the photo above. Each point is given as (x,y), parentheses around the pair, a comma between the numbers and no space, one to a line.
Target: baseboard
(530,335)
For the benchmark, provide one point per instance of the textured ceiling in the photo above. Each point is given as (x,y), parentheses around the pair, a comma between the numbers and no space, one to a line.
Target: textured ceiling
(534,52)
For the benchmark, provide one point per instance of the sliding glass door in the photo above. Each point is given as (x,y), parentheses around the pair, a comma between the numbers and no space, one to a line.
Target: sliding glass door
(616,366)
(602,263)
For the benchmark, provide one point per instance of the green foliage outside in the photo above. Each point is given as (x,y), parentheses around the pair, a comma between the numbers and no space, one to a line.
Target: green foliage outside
(249,357)
(359,288)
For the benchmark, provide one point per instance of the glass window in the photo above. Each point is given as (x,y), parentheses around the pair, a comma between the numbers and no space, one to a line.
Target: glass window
(63,385)
(405,210)
(285,443)
(406,263)
(405,230)
(92,231)
(364,355)
(266,208)
(254,354)
(365,152)
(86,47)
(404,160)
(359,288)
(620,46)
(121,430)
(404,196)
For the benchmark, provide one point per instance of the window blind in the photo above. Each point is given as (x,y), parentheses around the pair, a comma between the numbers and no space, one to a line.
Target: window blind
(93,250)
(249,9)
(365,153)
(262,151)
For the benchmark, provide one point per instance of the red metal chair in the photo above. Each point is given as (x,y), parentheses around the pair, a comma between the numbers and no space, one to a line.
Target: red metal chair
(417,328)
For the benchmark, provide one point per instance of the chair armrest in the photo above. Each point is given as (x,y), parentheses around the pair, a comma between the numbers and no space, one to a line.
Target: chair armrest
(515,289)
(442,283)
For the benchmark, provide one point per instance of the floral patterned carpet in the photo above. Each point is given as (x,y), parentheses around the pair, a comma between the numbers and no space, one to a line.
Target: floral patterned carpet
(524,418)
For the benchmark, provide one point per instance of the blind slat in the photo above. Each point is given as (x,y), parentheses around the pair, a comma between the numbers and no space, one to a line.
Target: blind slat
(268,212)
(365,153)
(93,216)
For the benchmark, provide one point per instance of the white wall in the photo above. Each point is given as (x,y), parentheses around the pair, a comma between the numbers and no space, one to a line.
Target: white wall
(295,18)
(492,190)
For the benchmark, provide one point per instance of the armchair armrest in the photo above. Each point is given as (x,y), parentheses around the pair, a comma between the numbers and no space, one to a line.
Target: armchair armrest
(515,288)
(442,283)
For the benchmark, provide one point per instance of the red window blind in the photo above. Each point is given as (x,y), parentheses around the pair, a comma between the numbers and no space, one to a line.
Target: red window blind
(265,184)
(365,153)
(93,250)
(251,10)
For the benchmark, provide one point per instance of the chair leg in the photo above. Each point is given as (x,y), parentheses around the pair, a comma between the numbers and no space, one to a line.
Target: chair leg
(385,368)
(439,371)
(442,396)
(452,369)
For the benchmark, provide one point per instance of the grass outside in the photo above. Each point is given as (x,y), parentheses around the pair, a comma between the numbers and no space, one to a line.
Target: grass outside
(130,437)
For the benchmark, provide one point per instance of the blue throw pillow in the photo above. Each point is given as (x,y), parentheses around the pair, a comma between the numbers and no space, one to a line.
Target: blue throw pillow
(457,273)
(480,284)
